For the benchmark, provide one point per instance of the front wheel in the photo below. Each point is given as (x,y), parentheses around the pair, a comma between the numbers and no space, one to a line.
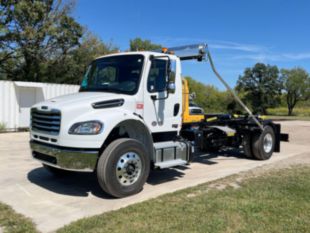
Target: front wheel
(123,167)
(263,144)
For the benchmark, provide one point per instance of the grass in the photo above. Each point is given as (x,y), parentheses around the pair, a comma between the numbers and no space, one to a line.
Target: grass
(288,118)
(278,202)
(11,222)
(297,112)
(274,202)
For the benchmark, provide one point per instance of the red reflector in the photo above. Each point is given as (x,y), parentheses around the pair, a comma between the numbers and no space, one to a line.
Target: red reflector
(139,106)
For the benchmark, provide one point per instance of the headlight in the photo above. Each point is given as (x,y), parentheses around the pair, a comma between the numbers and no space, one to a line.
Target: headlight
(86,128)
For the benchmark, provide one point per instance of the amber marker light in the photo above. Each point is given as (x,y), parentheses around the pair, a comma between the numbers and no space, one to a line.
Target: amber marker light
(164,50)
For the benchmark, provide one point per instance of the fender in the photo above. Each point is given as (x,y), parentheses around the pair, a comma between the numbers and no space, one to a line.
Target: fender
(133,127)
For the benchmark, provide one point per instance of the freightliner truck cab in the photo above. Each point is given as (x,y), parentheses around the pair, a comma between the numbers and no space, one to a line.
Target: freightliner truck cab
(131,115)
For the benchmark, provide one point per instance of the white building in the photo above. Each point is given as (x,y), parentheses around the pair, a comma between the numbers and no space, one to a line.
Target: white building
(16,98)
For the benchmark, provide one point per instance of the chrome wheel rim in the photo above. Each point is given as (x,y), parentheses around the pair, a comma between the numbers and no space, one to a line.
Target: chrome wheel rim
(268,143)
(128,168)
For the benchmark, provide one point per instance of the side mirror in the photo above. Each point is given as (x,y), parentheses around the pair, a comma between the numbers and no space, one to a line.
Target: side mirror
(171,73)
(171,87)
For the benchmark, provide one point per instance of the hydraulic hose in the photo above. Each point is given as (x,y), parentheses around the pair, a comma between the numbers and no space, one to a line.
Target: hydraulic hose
(232,91)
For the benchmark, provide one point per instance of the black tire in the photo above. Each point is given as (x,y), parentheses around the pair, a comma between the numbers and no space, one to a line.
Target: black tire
(247,146)
(258,141)
(55,171)
(108,162)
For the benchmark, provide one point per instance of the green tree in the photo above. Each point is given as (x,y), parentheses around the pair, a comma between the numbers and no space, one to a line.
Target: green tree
(138,44)
(261,87)
(72,70)
(33,32)
(296,84)
(209,97)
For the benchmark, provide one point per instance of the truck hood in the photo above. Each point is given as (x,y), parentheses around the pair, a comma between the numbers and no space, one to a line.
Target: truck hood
(81,98)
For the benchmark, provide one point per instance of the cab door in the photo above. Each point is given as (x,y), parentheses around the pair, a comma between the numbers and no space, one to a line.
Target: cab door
(162,110)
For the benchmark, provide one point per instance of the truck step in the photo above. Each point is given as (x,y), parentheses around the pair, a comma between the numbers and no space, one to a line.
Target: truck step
(171,163)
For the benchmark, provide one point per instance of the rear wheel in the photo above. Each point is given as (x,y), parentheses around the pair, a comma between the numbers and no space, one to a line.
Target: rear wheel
(123,167)
(263,144)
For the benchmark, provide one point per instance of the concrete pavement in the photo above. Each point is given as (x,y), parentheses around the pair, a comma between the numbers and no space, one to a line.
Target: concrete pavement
(53,202)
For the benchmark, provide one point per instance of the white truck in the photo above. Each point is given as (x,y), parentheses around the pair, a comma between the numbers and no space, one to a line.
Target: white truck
(132,115)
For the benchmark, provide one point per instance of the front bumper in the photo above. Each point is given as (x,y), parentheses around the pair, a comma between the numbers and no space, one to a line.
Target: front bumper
(73,159)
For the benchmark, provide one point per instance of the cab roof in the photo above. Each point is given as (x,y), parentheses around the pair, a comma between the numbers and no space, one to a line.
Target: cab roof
(144,53)
(187,52)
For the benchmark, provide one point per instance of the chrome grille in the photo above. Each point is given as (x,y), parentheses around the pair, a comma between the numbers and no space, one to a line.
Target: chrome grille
(46,121)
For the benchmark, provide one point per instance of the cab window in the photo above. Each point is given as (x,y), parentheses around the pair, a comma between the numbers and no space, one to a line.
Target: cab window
(157,76)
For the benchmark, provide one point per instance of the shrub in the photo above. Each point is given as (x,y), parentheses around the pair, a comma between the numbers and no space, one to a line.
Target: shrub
(2,127)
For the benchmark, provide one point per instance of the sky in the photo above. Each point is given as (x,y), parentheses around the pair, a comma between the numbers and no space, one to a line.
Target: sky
(239,33)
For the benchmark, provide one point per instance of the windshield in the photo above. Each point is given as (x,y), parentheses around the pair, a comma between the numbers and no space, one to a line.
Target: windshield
(119,74)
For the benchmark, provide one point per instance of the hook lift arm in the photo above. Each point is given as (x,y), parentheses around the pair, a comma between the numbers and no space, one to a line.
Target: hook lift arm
(236,97)
(189,52)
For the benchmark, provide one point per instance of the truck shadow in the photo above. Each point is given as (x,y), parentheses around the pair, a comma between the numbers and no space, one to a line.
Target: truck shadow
(166,175)
(157,177)
(228,154)
(71,184)
(83,184)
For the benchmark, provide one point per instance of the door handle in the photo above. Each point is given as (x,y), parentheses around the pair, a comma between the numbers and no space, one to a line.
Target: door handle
(176,109)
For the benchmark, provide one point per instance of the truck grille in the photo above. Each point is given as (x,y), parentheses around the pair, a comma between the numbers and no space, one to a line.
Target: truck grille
(46,121)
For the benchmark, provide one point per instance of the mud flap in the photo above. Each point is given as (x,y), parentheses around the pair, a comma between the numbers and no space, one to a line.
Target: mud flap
(279,137)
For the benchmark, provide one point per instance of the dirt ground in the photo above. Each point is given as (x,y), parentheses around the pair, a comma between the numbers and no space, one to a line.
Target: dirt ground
(52,202)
